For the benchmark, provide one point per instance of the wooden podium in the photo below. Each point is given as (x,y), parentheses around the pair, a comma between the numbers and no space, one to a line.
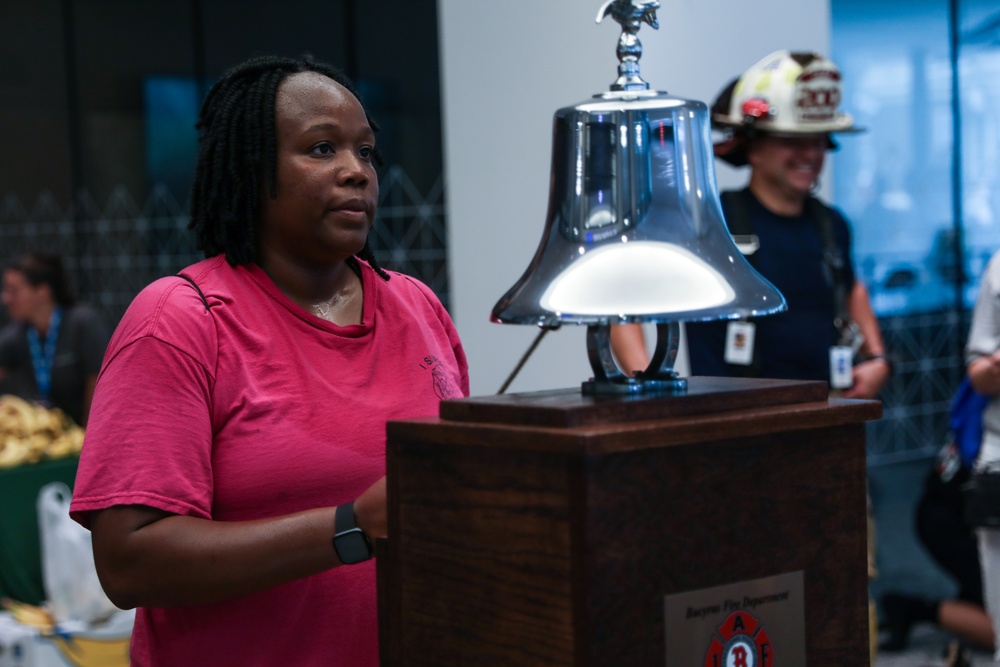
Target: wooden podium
(548,528)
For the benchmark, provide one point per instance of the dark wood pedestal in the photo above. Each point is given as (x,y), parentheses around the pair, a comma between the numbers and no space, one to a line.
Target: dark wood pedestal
(548,528)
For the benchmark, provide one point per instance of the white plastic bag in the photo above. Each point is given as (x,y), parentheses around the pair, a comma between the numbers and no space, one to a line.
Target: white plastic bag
(68,574)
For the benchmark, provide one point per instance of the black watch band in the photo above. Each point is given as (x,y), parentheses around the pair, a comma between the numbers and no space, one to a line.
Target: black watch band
(349,541)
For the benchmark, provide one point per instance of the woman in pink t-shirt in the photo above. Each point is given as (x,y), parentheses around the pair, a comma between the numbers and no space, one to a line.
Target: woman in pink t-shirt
(233,470)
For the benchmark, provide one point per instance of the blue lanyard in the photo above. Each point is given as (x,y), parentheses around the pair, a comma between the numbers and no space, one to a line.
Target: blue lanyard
(43,360)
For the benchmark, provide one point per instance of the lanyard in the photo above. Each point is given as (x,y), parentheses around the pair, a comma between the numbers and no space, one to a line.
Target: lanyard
(43,360)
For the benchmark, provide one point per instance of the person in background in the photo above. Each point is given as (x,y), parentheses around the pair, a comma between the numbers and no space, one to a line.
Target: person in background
(52,350)
(778,118)
(941,528)
(233,471)
(982,354)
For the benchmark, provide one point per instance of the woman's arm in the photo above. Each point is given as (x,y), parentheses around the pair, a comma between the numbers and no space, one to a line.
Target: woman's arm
(149,558)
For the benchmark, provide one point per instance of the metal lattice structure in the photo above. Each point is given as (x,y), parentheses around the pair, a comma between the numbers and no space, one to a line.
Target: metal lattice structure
(926,349)
(112,251)
(411,234)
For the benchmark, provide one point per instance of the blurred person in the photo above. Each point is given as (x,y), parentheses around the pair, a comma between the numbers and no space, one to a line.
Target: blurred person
(778,118)
(982,354)
(233,471)
(941,528)
(51,352)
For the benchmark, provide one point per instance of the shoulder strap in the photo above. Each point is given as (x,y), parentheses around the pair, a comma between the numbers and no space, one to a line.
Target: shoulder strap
(736,208)
(198,289)
(736,205)
(834,263)
(737,213)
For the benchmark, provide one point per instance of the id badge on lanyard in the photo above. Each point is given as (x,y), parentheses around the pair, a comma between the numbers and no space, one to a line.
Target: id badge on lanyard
(842,356)
(739,343)
(841,376)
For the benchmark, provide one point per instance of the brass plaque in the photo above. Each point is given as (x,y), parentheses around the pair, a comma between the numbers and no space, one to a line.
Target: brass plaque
(759,623)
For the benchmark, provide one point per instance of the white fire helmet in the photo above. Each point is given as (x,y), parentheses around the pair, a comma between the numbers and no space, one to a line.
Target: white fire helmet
(786,93)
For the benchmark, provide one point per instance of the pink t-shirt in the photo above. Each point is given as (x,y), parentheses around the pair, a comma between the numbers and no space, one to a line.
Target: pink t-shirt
(256,408)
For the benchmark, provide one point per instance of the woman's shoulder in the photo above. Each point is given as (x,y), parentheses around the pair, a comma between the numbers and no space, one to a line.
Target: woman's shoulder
(409,283)
(172,308)
(401,286)
(185,291)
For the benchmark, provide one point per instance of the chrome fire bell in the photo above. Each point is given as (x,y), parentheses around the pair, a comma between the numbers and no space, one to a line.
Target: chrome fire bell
(634,231)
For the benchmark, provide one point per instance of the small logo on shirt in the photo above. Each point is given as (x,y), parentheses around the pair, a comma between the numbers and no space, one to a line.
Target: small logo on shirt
(439,378)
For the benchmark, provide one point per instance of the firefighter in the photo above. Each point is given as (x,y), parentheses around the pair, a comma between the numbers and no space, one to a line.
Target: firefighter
(778,118)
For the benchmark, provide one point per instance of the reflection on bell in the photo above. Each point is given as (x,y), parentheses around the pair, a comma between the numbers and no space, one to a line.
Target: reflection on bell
(634,230)
(603,281)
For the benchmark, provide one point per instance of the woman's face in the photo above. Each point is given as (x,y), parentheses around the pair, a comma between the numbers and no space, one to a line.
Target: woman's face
(22,299)
(327,189)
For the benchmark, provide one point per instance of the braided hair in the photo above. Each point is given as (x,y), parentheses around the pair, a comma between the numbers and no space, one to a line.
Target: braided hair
(237,156)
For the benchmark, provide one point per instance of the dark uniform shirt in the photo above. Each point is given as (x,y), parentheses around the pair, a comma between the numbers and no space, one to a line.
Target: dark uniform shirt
(794,344)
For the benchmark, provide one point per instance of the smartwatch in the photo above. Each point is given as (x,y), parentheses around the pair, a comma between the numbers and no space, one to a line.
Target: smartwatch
(349,541)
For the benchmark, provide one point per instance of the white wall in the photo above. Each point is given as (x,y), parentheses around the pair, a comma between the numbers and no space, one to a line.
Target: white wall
(506,67)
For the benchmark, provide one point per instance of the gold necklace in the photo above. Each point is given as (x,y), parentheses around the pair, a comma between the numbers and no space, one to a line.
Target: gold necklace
(322,309)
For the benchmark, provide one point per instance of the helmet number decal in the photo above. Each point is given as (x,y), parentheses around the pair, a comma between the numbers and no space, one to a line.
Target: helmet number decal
(818,96)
